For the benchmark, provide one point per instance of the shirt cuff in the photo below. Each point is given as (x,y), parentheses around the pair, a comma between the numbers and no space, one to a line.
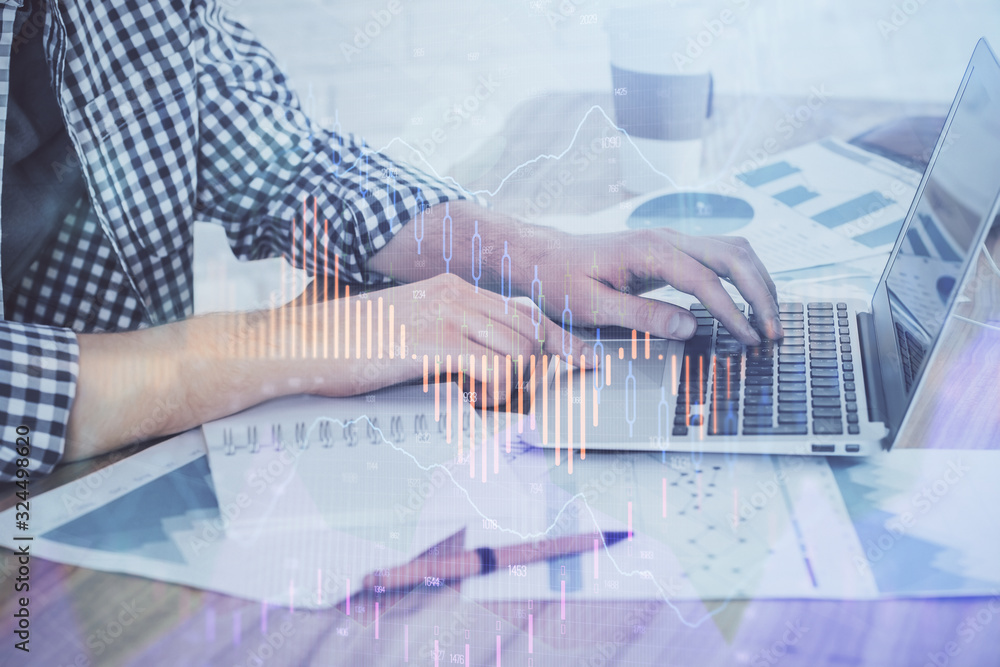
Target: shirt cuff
(39,366)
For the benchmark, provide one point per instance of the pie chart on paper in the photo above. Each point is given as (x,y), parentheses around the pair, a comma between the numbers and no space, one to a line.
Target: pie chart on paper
(695,213)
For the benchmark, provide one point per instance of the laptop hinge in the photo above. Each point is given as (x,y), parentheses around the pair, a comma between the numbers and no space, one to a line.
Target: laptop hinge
(871,368)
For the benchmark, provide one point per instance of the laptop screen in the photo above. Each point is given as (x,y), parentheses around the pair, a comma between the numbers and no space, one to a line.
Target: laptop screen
(946,221)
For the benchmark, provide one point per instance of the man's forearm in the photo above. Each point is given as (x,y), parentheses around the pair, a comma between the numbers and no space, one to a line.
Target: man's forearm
(463,254)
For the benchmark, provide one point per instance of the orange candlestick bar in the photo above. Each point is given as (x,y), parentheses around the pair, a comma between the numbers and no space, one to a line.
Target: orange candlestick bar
(506,394)
(647,345)
(272,324)
(520,393)
(281,323)
(392,332)
(380,327)
(496,414)
(583,406)
(459,377)
(621,352)
(545,397)
(425,373)
(357,329)
(336,307)
(532,392)
(447,389)
(326,291)
(347,322)
(555,364)
(437,388)
(291,330)
(368,327)
(634,348)
(483,420)
(594,394)
(472,416)
(569,413)
(402,341)
(315,283)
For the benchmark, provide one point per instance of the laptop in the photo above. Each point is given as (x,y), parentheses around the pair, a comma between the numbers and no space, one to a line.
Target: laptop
(843,379)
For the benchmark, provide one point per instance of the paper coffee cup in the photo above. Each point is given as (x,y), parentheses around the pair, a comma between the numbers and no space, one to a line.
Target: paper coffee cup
(661,104)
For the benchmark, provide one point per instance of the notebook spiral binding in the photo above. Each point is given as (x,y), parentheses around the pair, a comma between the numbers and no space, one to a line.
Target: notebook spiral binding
(365,430)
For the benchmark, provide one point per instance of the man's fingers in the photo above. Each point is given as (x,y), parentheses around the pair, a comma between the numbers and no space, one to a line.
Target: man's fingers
(657,317)
(732,257)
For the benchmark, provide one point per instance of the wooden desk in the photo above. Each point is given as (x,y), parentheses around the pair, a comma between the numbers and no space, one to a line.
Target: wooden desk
(76,612)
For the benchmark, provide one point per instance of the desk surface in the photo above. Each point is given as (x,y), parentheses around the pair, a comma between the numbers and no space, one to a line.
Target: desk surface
(79,615)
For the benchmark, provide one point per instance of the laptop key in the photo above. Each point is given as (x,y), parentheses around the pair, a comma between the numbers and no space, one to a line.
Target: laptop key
(823,354)
(759,380)
(826,402)
(827,427)
(826,412)
(758,390)
(784,408)
(853,429)
(852,407)
(852,418)
(758,400)
(825,382)
(792,418)
(849,396)
(792,368)
(848,376)
(824,373)
(758,410)
(790,387)
(822,346)
(784,429)
(756,421)
(792,397)
(793,378)
(790,307)
(848,386)
(680,430)
(822,363)
(825,391)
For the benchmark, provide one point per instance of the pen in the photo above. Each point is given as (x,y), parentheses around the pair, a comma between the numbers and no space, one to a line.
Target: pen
(436,569)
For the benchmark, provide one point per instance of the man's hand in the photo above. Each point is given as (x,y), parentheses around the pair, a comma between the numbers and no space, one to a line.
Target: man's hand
(599,276)
(603,274)
(138,385)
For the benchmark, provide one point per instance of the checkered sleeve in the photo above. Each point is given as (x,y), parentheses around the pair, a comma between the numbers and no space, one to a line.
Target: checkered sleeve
(38,371)
(278,182)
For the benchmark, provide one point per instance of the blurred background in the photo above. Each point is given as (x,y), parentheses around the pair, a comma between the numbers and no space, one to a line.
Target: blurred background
(433,81)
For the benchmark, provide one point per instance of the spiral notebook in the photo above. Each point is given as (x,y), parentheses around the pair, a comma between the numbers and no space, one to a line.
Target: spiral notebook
(337,488)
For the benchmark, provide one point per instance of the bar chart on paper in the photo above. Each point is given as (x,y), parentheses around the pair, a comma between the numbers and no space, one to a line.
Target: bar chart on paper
(857,194)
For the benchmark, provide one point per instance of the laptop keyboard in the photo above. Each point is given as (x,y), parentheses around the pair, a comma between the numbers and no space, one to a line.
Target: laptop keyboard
(911,353)
(803,384)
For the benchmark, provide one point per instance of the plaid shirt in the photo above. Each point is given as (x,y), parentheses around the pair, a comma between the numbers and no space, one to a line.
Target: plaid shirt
(176,113)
